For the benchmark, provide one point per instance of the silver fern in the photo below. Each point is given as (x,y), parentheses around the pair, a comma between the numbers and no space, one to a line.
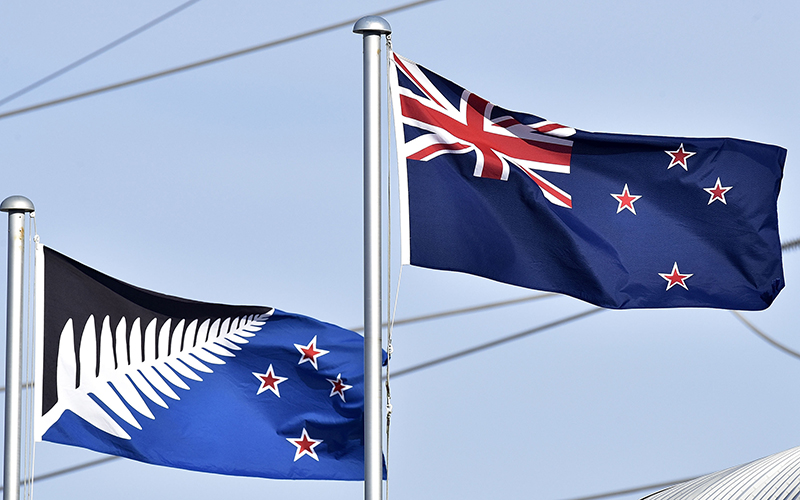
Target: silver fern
(191,349)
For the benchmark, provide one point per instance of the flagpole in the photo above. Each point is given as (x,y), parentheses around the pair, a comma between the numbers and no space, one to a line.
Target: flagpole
(16,207)
(372,28)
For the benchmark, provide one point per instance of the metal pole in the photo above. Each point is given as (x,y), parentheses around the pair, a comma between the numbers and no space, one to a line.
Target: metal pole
(16,207)
(372,28)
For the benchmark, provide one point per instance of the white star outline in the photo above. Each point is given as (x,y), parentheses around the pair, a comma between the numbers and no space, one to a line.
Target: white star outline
(271,374)
(335,382)
(301,451)
(626,194)
(718,187)
(683,154)
(672,282)
(304,358)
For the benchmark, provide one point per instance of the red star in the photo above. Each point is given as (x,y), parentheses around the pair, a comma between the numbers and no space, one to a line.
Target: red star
(305,446)
(717,192)
(269,381)
(310,353)
(626,200)
(679,157)
(338,386)
(675,277)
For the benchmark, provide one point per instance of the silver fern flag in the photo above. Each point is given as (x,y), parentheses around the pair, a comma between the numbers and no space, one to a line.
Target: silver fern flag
(239,390)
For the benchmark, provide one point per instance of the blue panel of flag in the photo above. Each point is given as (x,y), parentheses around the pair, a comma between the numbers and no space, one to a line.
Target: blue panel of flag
(620,221)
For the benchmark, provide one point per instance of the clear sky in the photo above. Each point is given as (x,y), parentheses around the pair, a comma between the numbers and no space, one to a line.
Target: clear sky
(240,183)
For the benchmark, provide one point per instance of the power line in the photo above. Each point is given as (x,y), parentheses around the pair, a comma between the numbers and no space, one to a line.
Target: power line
(765,336)
(634,490)
(74,468)
(206,62)
(494,343)
(791,244)
(598,496)
(465,310)
(100,51)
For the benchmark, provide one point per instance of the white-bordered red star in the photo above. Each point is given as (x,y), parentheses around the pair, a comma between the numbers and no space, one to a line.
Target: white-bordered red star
(338,386)
(310,353)
(679,157)
(305,446)
(675,277)
(717,192)
(626,200)
(269,381)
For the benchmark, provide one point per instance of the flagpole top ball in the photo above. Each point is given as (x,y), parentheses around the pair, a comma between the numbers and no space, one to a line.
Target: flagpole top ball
(16,204)
(372,25)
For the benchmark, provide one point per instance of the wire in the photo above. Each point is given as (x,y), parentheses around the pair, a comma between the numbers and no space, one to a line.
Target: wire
(634,490)
(765,336)
(74,468)
(487,345)
(101,461)
(464,310)
(205,62)
(100,51)
(791,244)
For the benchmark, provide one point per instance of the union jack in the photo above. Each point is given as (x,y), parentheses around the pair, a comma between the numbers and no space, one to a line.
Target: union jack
(498,139)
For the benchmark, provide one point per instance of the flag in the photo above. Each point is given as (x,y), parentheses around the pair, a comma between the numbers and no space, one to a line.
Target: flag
(238,390)
(620,221)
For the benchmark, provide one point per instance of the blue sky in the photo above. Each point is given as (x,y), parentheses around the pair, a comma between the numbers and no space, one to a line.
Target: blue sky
(240,183)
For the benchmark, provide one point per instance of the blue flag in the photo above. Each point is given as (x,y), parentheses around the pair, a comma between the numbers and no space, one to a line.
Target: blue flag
(620,221)
(239,390)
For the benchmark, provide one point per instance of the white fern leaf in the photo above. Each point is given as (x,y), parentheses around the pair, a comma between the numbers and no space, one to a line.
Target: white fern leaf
(152,363)
(123,384)
(135,348)
(218,349)
(195,363)
(208,357)
(182,369)
(227,343)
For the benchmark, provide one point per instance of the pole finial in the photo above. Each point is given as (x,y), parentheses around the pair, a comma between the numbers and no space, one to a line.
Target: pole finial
(16,204)
(372,25)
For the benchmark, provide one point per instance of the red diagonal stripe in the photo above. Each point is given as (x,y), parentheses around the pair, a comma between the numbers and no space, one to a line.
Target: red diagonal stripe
(473,132)
(419,85)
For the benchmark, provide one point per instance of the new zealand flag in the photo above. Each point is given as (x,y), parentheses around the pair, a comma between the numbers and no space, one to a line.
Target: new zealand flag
(620,221)
(240,390)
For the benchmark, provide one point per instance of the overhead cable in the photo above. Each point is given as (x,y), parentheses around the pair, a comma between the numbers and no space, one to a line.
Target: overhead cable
(487,345)
(465,310)
(638,489)
(598,496)
(74,468)
(206,62)
(764,336)
(100,51)
(791,244)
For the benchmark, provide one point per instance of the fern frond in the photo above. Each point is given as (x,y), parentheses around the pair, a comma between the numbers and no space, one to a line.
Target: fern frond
(148,364)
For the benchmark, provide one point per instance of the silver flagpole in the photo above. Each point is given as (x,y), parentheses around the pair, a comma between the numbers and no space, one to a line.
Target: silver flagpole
(372,28)
(16,207)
